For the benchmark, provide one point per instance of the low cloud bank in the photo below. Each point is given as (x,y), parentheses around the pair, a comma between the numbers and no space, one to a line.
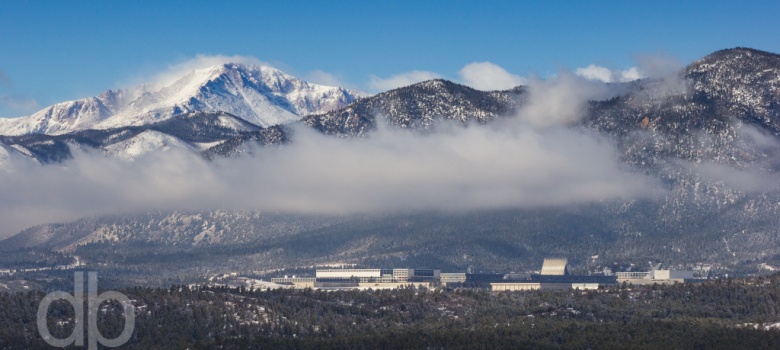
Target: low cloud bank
(512,164)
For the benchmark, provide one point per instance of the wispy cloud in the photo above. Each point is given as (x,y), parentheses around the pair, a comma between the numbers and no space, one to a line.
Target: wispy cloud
(659,64)
(665,70)
(489,76)
(378,84)
(560,100)
(606,75)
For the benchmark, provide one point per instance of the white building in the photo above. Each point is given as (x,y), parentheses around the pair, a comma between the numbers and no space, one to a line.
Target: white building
(377,275)
(655,275)
(456,277)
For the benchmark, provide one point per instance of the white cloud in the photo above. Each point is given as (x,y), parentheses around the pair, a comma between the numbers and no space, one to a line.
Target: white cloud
(663,69)
(489,76)
(561,99)
(606,75)
(630,74)
(594,72)
(399,80)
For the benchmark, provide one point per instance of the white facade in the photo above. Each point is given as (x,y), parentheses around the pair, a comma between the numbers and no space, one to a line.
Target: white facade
(402,274)
(632,275)
(458,277)
(585,286)
(349,273)
(298,282)
(655,276)
(671,274)
(500,287)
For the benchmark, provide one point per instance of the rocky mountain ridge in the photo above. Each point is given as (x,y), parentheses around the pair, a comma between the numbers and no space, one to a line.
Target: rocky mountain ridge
(418,106)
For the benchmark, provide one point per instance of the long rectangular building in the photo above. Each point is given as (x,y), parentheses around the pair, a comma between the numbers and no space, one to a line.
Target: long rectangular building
(655,275)
(377,275)
(554,275)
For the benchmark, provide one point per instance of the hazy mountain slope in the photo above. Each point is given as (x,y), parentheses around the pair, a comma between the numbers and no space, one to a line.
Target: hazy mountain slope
(485,241)
(186,229)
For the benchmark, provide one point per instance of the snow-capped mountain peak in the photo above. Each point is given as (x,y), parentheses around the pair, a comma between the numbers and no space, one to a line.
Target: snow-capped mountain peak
(261,95)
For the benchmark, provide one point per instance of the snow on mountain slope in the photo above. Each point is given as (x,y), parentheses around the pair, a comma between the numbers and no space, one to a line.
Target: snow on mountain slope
(419,105)
(748,79)
(10,156)
(261,95)
(147,142)
(229,122)
(61,117)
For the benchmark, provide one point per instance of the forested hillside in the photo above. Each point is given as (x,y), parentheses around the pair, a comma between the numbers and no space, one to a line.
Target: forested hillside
(722,314)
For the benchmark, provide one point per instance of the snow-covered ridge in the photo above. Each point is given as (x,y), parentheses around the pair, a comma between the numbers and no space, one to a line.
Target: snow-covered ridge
(147,142)
(261,95)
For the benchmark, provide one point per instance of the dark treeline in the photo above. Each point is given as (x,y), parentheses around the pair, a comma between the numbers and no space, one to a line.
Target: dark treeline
(717,314)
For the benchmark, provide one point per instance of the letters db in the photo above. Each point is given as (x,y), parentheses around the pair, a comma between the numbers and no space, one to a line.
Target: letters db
(93,303)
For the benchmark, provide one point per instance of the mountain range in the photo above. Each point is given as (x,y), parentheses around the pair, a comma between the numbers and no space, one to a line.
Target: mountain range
(710,135)
(261,95)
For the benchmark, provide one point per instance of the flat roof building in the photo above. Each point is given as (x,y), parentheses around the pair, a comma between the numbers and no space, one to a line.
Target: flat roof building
(655,275)
(554,275)
(332,279)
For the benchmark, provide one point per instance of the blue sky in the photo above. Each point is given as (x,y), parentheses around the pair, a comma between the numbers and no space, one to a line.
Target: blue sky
(51,51)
